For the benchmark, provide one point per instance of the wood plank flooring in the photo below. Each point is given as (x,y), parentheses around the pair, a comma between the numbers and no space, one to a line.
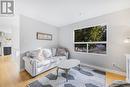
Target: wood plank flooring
(110,77)
(10,76)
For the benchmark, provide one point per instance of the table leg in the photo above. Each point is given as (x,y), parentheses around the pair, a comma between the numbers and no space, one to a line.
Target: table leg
(66,72)
(57,72)
(79,66)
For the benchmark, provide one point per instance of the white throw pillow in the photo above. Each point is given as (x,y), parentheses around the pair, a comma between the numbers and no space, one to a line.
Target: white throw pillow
(40,55)
(34,53)
(47,53)
(37,54)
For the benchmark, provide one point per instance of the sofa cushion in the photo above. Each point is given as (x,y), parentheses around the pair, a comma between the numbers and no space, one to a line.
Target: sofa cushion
(61,52)
(53,51)
(47,53)
(51,60)
(40,58)
(43,63)
(58,58)
(40,55)
(36,54)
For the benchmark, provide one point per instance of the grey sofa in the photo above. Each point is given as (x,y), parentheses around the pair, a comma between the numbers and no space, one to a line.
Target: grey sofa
(49,58)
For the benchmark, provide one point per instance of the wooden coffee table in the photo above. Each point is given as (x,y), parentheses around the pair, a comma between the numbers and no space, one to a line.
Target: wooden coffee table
(66,65)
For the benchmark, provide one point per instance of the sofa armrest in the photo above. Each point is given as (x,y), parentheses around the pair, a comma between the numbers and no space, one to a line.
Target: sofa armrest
(31,65)
(30,60)
(34,62)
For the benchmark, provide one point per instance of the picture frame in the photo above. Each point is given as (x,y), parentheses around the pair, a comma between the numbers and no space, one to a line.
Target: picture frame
(43,36)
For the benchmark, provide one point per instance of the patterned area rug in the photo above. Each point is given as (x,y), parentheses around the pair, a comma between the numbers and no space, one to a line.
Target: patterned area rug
(85,77)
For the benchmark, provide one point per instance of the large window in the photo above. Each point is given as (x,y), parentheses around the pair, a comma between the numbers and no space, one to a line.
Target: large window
(91,39)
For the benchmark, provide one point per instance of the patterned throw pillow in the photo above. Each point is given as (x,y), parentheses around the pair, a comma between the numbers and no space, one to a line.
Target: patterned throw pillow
(47,53)
(61,52)
(37,54)
(28,54)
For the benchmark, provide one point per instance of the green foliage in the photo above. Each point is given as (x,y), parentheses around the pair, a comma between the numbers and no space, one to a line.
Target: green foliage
(96,34)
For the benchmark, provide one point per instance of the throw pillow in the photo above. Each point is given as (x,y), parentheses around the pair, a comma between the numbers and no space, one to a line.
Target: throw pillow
(37,54)
(28,54)
(34,53)
(40,55)
(61,52)
(47,53)
(53,51)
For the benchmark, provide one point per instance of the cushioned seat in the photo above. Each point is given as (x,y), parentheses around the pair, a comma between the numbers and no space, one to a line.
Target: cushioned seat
(43,63)
(39,61)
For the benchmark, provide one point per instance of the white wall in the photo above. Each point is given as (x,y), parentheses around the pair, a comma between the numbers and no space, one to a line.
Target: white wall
(11,25)
(28,29)
(118,24)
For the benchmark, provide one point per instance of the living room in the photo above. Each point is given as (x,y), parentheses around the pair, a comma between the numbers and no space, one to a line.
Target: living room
(65,43)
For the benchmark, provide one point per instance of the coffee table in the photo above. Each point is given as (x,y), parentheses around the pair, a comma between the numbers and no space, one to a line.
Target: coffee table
(66,65)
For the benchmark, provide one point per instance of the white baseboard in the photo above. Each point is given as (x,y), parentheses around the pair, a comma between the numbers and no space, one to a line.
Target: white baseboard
(105,69)
(99,68)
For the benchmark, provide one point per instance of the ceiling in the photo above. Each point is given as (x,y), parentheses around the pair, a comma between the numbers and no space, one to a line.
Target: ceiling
(63,12)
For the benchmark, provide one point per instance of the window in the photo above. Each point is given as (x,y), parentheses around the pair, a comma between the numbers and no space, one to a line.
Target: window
(91,39)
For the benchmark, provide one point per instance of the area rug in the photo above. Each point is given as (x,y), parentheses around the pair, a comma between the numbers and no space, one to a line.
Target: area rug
(85,77)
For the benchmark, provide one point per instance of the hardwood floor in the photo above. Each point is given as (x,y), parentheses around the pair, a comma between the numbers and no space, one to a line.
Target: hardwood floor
(10,76)
(110,77)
